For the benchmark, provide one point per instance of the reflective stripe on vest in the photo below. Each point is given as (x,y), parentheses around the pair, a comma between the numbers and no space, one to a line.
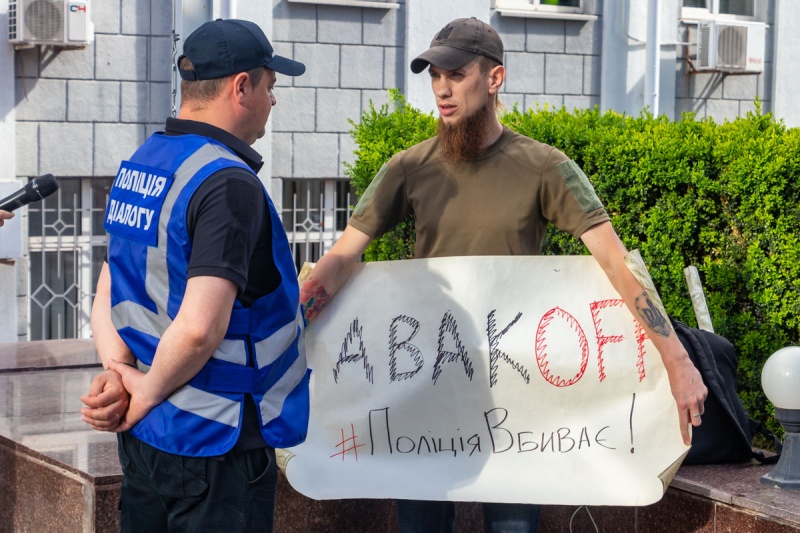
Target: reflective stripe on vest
(272,404)
(203,403)
(269,349)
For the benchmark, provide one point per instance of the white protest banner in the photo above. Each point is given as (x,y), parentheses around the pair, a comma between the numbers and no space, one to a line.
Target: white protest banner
(505,379)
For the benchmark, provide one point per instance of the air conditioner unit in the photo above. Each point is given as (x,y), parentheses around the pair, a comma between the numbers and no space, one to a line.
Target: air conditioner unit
(730,46)
(49,22)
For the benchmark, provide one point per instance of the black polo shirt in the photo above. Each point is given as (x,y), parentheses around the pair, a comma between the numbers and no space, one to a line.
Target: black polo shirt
(228,220)
(231,233)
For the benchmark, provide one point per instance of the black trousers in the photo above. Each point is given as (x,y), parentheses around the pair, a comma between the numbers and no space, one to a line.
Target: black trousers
(162,492)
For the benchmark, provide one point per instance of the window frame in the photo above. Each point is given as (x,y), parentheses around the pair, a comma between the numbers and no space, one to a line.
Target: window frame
(314,213)
(66,244)
(535,9)
(376,4)
(712,13)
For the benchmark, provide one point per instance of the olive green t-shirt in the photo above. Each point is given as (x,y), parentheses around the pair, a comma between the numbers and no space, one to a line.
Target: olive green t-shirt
(497,205)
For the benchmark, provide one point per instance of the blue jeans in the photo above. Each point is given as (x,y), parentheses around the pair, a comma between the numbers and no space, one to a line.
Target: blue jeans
(162,492)
(416,516)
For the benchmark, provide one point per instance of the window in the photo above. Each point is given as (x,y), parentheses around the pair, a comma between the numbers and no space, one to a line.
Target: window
(315,213)
(67,246)
(570,6)
(380,4)
(556,9)
(719,9)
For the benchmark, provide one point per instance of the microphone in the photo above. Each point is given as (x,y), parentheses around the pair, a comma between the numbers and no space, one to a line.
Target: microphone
(33,191)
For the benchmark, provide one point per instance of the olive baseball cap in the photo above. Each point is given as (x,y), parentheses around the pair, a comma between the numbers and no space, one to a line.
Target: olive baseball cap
(458,43)
(221,48)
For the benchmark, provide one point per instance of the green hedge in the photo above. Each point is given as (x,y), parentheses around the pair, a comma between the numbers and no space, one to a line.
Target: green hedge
(722,197)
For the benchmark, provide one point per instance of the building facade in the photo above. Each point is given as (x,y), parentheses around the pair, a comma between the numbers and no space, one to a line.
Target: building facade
(76,111)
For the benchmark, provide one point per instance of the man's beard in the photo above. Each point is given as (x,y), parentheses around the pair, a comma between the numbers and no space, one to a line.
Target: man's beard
(464,141)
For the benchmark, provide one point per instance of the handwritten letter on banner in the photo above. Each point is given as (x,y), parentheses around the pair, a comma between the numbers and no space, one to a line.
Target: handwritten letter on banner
(507,379)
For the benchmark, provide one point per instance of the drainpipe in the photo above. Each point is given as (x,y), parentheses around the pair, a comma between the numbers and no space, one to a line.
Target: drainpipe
(653,56)
(227,9)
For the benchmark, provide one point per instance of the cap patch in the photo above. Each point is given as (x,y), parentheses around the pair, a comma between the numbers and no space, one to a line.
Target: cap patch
(444,33)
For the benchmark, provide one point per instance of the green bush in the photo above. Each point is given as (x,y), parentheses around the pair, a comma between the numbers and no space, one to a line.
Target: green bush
(722,197)
(381,134)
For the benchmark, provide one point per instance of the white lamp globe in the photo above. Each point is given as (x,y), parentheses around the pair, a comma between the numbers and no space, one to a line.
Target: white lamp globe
(780,378)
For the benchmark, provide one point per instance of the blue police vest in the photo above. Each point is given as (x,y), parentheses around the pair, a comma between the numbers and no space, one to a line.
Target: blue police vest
(262,353)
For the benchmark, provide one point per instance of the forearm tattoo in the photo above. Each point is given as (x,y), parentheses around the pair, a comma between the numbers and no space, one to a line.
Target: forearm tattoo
(653,315)
(314,298)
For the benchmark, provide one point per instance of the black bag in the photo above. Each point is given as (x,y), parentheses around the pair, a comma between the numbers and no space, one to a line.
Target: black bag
(726,433)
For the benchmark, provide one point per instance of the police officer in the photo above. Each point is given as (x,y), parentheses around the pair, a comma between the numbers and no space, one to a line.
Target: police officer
(196,317)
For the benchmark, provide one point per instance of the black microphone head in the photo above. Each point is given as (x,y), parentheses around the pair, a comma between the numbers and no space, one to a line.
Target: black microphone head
(33,191)
(44,186)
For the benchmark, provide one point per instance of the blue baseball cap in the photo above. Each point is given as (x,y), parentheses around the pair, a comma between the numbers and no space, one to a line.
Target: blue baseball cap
(221,48)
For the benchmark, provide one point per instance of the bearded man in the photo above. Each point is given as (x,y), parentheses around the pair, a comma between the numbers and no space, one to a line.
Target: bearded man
(478,188)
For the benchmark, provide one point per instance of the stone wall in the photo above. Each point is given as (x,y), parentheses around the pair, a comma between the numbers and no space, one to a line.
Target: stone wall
(352,56)
(81,111)
(551,62)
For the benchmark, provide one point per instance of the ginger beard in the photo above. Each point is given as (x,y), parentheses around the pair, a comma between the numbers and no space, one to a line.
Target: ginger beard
(464,141)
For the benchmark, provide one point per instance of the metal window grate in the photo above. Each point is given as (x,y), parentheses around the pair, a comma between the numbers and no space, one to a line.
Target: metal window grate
(66,245)
(316,217)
